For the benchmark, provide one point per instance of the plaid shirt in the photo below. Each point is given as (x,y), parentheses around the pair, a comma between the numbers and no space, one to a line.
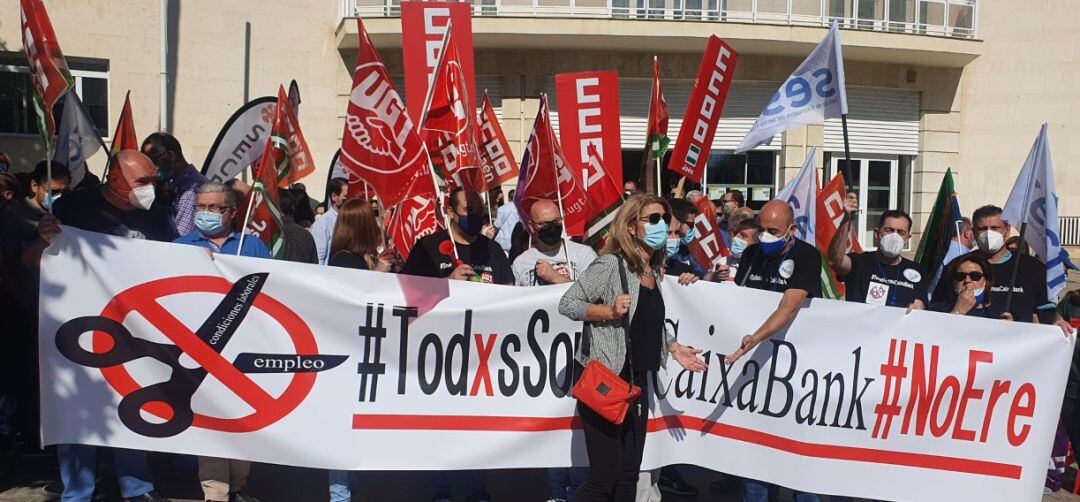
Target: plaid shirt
(183,208)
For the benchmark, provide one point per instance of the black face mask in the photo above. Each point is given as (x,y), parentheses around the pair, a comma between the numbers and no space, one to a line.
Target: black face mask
(471,224)
(550,234)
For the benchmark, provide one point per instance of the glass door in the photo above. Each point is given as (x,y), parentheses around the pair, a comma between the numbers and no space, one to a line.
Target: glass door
(874,179)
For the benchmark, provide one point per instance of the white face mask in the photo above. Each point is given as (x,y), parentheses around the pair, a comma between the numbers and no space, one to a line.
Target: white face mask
(142,197)
(891,245)
(990,241)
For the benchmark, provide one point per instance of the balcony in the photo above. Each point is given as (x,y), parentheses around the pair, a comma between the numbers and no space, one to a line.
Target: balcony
(942,18)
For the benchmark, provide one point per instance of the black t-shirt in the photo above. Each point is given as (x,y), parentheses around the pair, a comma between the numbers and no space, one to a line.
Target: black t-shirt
(1029,293)
(433,256)
(992,311)
(675,268)
(18,227)
(346,259)
(87,209)
(799,268)
(646,330)
(871,281)
(299,244)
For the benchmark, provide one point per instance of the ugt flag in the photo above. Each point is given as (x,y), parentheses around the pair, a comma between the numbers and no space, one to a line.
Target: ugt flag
(546,174)
(448,125)
(77,139)
(1034,201)
(813,93)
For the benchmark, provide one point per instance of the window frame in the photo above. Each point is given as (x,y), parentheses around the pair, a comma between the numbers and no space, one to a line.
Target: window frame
(77,76)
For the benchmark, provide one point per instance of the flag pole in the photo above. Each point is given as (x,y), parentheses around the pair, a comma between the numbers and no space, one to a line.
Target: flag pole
(1021,244)
(558,189)
(247,216)
(48,171)
(850,181)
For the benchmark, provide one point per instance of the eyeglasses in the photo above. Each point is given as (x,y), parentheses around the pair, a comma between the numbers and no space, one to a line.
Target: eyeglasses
(212,208)
(960,276)
(655,218)
(543,224)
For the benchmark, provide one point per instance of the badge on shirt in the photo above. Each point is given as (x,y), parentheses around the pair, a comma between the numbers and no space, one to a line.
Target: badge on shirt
(877,293)
(912,275)
(787,268)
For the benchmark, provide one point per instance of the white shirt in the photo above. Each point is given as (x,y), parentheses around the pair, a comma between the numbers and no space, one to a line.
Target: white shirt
(505,219)
(525,265)
(323,231)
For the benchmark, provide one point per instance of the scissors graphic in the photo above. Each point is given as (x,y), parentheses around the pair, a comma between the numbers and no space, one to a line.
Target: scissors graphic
(176,393)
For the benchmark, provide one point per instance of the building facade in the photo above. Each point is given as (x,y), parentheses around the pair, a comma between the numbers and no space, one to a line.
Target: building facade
(932,84)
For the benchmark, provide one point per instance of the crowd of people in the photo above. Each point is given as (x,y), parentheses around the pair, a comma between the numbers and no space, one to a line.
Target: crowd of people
(156,194)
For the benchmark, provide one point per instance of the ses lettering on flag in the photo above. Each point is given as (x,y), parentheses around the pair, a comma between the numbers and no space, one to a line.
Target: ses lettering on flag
(380,144)
(703,111)
(589,115)
(499,164)
(423,26)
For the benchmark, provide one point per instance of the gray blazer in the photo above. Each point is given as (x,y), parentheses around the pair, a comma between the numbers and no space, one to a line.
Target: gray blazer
(599,285)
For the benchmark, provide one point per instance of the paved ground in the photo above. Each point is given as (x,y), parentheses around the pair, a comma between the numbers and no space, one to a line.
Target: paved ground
(271,483)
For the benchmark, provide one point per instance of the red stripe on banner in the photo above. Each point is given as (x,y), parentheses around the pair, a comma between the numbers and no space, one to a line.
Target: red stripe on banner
(833,452)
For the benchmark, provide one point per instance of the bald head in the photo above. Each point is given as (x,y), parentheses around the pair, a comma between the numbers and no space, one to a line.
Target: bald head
(543,211)
(777,218)
(131,180)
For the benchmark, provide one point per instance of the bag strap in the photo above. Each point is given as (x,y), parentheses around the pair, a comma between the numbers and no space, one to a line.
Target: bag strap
(626,323)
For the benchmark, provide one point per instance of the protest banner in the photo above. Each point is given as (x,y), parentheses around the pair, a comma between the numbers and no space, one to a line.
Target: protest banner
(241,141)
(423,26)
(160,347)
(717,69)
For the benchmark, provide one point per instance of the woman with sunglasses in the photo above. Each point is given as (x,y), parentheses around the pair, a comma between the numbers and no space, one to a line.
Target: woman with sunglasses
(971,277)
(626,333)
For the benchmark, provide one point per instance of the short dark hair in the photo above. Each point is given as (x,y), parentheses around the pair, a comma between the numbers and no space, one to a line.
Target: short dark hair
(335,186)
(987,211)
(289,198)
(738,196)
(894,213)
(161,142)
(682,209)
(976,258)
(510,194)
(41,172)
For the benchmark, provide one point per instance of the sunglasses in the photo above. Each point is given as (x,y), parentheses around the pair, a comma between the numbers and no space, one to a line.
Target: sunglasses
(656,217)
(960,276)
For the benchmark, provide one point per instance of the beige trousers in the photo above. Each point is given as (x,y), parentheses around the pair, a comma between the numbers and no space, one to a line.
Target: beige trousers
(220,477)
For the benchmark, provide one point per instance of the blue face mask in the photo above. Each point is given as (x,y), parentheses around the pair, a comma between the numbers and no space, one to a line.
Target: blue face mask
(656,235)
(770,244)
(672,247)
(50,200)
(689,237)
(738,246)
(209,223)
(471,224)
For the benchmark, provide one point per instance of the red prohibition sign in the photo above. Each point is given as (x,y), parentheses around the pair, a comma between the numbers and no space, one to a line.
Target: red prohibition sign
(268,409)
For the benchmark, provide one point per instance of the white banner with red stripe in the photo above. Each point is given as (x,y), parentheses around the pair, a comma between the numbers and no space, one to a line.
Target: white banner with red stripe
(164,347)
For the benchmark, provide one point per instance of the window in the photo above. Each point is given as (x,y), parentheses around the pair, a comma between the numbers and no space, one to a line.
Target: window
(887,186)
(17,93)
(752,173)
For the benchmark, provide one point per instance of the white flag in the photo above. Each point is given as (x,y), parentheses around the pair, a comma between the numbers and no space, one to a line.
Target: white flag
(77,138)
(813,93)
(1034,201)
(801,195)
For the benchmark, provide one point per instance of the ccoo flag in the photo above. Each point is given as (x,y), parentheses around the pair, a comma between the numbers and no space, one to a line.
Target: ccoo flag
(1034,202)
(48,68)
(77,138)
(813,93)
(605,197)
(657,135)
(499,164)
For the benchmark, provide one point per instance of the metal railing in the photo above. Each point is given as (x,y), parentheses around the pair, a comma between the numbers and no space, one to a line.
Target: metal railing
(948,18)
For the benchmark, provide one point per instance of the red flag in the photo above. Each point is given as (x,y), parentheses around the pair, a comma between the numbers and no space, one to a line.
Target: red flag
(295,159)
(708,247)
(125,138)
(264,221)
(499,165)
(830,212)
(414,217)
(380,144)
(449,126)
(48,68)
(605,197)
(703,111)
(423,25)
(657,133)
(589,114)
(545,174)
